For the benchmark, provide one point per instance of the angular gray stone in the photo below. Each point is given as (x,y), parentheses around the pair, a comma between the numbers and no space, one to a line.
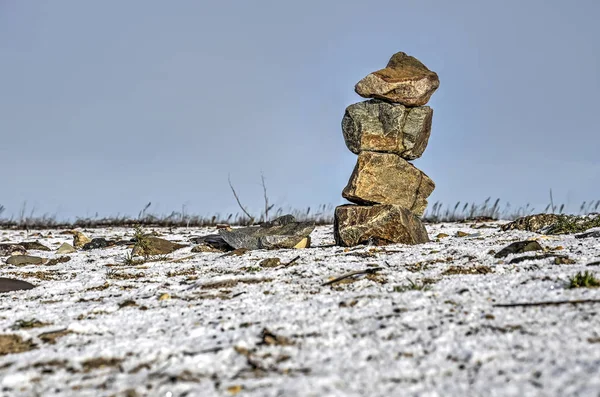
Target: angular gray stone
(385,178)
(377,224)
(380,126)
(283,232)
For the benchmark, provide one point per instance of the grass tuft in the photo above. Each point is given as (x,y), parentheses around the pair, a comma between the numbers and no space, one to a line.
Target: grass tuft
(584,280)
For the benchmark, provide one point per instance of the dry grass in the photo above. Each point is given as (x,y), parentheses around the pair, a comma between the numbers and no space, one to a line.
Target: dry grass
(322,215)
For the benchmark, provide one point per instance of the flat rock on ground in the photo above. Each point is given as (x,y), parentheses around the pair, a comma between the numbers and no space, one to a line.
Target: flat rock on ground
(409,320)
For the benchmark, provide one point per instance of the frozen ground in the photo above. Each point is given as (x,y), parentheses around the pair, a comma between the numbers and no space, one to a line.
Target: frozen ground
(194,325)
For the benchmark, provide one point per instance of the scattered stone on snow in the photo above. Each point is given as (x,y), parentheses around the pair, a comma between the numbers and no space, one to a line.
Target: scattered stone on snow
(156,246)
(384,178)
(205,248)
(592,234)
(378,224)
(12,249)
(404,80)
(519,247)
(213,241)
(11,344)
(554,223)
(270,262)
(23,260)
(34,246)
(79,239)
(558,259)
(96,243)
(283,232)
(66,248)
(56,261)
(10,284)
(380,126)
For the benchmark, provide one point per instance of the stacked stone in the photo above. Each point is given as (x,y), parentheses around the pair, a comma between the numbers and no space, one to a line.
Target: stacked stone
(387,132)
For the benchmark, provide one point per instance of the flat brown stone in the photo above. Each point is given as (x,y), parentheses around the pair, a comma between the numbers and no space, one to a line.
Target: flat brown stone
(378,224)
(405,80)
(384,178)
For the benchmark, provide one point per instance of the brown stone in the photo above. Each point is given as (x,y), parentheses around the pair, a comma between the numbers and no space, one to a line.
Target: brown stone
(155,246)
(378,224)
(405,80)
(384,178)
(79,239)
(380,126)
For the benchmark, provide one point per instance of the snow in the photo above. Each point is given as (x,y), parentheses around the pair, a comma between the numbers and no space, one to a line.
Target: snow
(368,336)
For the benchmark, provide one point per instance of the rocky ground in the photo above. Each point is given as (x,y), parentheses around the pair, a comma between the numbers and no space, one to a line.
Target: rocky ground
(441,318)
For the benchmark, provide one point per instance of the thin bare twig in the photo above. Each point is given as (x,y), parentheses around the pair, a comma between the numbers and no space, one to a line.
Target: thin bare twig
(267,208)
(290,262)
(238,200)
(369,270)
(547,303)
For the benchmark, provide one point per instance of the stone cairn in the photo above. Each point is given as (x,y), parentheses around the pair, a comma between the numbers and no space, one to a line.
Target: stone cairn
(386,132)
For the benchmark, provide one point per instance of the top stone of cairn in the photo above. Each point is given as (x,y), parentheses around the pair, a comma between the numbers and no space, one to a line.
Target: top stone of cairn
(405,80)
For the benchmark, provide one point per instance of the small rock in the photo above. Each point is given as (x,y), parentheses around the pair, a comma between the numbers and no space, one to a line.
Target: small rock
(79,239)
(277,242)
(35,246)
(564,260)
(10,284)
(204,248)
(304,243)
(378,224)
(56,261)
(213,240)
(385,178)
(519,247)
(66,248)
(12,249)
(442,235)
(461,234)
(405,80)
(23,260)
(96,243)
(156,246)
(163,297)
(270,262)
(592,234)
(283,232)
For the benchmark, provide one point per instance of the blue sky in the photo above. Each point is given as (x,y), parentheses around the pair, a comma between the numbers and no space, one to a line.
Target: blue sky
(108,105)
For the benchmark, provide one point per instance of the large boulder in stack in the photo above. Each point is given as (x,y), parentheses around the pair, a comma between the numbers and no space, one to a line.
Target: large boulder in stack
(380,126)
(385,178)
(405,80)
(377,224)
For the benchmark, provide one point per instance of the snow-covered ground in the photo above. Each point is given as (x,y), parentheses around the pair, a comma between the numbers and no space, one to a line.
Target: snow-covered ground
(204,324)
